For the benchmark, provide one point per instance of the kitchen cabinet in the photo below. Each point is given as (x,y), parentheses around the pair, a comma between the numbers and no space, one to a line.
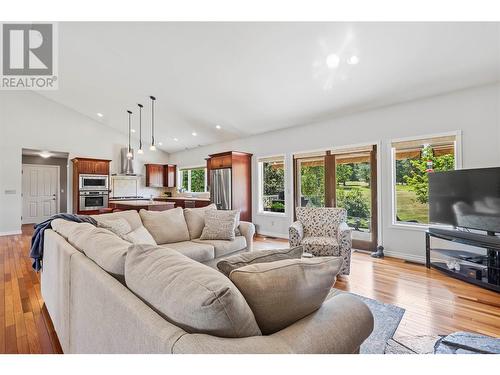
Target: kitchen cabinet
(155,175)
(170,175)
(91,166)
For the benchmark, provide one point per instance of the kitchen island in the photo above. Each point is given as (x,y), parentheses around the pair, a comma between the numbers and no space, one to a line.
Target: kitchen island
(141,204)
(185,202)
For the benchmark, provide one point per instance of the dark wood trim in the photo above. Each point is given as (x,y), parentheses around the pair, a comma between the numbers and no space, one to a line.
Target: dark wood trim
(330,180)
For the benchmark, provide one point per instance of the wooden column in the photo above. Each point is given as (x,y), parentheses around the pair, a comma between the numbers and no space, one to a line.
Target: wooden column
(330,180)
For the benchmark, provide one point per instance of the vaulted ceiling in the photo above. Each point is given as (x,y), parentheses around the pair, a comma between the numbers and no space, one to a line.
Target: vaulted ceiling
(251,78)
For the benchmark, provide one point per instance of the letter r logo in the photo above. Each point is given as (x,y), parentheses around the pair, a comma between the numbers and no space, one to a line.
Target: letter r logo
(27,49)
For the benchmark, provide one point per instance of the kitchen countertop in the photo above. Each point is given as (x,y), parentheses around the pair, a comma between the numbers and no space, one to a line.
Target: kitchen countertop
(183,199)
(139,202)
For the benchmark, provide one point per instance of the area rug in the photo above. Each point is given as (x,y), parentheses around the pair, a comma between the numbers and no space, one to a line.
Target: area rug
(386,321)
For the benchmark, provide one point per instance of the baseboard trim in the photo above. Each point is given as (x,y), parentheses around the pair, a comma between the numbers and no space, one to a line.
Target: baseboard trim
(409,257)
(11,233)
(272,234)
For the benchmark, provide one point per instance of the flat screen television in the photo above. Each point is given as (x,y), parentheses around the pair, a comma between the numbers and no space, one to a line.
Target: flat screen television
(467,198)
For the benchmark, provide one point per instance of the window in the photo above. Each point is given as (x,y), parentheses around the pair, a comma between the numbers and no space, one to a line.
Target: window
(193,180)
(311,182)
(272,185)
(413,160)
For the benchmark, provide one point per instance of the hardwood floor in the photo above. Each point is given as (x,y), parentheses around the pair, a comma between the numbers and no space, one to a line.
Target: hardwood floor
(434,303)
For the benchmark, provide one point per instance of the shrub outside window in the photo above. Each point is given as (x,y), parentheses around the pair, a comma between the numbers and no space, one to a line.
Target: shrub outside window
(193,180)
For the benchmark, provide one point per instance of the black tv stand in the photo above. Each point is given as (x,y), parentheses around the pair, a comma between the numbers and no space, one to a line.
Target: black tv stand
(481,270)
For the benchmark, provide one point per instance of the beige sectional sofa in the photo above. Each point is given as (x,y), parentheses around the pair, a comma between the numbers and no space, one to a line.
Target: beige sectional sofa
(93,311)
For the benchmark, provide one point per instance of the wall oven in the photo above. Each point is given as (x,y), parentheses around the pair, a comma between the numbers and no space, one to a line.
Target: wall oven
(94,182)
(93,200)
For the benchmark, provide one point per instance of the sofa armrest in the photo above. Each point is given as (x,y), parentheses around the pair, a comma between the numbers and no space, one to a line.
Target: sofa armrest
(295,233)
(344,236)
(247,230)
(339,327)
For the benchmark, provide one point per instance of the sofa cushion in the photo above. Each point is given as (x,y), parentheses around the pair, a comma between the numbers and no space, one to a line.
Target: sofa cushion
(320,221)
(220,225)
(118,226)
(195,219)
(105,248)
(197,251)
(140,235)
(261,256)
(282,292)
(187,293)
(166,226)
(65,228)
(131,216)
(223,247)
(320,245)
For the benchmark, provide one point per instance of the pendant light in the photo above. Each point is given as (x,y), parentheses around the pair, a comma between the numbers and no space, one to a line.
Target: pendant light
(152,147)
(129,153)
(140,150)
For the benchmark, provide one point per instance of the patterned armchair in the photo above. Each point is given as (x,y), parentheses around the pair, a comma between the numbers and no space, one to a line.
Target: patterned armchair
(322,232)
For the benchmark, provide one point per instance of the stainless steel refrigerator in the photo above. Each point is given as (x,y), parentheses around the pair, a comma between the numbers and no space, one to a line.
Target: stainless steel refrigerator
(220,188)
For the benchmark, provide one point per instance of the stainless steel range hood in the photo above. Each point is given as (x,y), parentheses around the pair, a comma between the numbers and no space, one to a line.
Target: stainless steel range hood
(127,164)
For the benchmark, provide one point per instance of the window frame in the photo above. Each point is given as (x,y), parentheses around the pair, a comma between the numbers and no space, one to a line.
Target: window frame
(392,167)
(189,170)
(260,170)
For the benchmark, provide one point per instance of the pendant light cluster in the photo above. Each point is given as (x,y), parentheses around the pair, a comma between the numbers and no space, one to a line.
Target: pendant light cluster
(130,154)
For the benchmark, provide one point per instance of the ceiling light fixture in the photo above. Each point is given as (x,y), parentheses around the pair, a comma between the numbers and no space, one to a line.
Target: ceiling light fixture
(99,114)
(353,60)
(160,144)
(152,147)
(176,139)
(194,134)
(45,154)
(218,127)
(129,153)
(332,61)
(140,150)
(132,130)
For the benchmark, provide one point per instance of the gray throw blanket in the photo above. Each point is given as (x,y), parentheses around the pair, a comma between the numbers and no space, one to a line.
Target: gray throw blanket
(36,252)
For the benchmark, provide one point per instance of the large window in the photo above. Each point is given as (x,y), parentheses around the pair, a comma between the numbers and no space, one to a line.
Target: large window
(193,180)
(311,182)
(413,160)
(272,184)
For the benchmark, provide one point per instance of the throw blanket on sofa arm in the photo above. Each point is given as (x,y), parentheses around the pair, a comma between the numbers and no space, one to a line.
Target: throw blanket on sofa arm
(36,252)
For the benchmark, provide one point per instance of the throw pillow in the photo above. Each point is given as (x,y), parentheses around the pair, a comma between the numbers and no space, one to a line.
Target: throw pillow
(280,293)
(166,226)
(118,225)
(220,225)
(140,236)
(187,293)
(195,219)
(253,257)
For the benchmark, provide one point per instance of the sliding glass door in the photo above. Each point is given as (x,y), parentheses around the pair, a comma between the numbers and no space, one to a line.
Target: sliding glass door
(347,179)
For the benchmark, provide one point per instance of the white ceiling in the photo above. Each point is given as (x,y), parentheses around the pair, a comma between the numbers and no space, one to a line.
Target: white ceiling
(257,77)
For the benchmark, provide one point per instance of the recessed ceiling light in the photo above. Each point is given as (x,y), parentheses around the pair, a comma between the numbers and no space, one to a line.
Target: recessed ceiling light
(332,61)
(194,134)
(176,139)
(99,114)
(160,143)
(45,154)
(132,130)
(353,60)
(218,127)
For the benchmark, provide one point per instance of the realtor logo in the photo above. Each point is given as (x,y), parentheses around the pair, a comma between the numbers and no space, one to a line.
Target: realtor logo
(28,56)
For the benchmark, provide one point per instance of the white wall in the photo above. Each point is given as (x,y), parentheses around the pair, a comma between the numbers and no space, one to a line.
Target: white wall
(29,120)
(475,112)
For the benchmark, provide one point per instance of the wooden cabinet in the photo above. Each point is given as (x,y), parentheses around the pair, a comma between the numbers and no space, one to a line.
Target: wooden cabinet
(91,166)
(240,164)
(155,175)
(161,175)
(86,166)
(170,175)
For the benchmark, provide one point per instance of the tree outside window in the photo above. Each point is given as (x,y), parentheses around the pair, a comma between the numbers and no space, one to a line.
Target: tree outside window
(193,180)
(273,185)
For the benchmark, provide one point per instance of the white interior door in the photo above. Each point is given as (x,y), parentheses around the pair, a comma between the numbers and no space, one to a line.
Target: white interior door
(40,192)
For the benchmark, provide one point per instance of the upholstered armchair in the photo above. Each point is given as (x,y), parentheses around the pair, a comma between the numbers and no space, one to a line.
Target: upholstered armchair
(323,232)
